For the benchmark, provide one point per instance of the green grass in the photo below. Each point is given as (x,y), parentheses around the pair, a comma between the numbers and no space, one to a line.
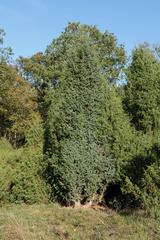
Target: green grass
(47,222)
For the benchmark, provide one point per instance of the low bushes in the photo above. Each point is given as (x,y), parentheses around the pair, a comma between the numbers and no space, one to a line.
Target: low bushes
(21,175)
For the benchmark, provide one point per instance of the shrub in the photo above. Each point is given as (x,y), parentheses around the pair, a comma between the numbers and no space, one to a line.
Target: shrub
(21,175)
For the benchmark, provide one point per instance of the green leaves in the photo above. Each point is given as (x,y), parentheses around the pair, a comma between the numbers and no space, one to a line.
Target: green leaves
(5,53)
(143,89)
(21,175)
(75,124)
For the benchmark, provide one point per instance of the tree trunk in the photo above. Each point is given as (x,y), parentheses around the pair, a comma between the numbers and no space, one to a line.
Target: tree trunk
(77,204)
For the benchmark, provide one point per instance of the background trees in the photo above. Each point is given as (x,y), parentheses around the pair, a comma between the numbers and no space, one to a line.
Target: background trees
(18,101)
(143,88)
(44,69)
(18,105)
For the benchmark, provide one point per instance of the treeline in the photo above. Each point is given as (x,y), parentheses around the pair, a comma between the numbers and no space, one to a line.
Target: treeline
(80,123)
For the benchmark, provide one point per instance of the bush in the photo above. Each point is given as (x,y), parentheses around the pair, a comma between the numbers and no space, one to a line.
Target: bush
(151,190)
(21,175)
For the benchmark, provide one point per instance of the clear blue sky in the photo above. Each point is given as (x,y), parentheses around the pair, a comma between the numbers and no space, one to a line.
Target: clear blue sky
(32,24)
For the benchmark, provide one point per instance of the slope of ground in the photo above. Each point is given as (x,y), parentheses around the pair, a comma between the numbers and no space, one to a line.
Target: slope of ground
(47,222)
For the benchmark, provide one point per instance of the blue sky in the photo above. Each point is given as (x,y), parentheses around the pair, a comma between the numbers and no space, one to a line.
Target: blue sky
(31,25)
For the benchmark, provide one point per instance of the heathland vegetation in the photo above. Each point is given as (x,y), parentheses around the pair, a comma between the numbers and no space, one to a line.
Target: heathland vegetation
(80,126)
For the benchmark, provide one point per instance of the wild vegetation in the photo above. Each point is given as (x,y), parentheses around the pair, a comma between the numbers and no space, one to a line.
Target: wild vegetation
(80,124)
(53,222)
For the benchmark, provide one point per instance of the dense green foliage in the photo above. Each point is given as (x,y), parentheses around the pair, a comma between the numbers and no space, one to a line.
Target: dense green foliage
(143,90)
(141,102)
(21,175)
(75,129)
(72,130)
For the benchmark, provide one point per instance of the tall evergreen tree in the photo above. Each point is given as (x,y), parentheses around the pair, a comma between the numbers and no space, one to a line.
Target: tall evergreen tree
(79,165)
(143,90)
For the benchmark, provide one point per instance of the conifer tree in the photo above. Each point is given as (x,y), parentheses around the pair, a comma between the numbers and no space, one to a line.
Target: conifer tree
(79,164)
(143,90)
(120,134)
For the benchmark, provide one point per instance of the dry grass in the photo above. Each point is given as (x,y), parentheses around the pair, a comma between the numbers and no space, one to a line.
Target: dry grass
(47,222)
